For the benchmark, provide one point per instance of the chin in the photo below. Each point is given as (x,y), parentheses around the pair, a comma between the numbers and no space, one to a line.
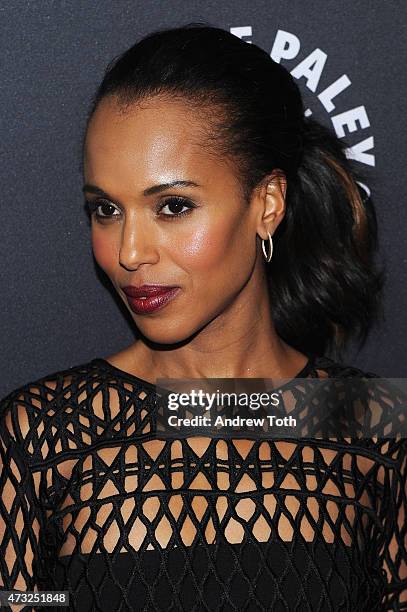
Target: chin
(163,332)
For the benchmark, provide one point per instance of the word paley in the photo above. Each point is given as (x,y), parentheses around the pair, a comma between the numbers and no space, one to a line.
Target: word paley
(286,47)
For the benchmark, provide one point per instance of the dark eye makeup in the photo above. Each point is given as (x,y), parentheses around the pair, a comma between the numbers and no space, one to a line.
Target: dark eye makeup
(100,208)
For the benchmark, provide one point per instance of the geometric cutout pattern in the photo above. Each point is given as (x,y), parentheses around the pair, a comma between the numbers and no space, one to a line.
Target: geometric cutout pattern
(93,502)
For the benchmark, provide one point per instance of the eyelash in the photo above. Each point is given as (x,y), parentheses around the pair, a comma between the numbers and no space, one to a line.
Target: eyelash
(93,205)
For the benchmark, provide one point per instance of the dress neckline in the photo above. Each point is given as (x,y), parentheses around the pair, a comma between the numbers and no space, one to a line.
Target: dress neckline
(308,367)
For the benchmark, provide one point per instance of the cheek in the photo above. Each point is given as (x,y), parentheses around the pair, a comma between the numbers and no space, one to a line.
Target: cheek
(213,246)
(104,249)
(200,248)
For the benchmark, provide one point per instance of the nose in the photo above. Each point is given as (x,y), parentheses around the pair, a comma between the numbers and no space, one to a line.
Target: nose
(137,245)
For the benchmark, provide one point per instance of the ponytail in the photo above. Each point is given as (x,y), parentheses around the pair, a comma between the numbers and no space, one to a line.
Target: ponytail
(324,285)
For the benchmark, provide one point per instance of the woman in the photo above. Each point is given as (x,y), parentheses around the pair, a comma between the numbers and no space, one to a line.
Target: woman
(203,177)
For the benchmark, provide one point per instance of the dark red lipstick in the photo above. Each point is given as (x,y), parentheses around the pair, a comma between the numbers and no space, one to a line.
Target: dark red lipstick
(145,299)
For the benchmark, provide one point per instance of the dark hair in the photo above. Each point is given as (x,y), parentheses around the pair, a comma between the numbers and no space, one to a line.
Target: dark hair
(325,287)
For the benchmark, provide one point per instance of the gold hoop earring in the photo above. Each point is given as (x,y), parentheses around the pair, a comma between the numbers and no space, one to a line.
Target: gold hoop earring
(263,242)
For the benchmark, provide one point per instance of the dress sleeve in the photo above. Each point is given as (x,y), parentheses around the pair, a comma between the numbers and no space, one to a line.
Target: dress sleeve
(20,512)
(395,553)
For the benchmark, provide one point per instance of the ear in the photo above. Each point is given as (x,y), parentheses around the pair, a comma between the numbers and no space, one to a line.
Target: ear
(270,202)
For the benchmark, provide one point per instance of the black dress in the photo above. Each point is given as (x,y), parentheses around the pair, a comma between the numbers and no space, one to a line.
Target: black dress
(93,502)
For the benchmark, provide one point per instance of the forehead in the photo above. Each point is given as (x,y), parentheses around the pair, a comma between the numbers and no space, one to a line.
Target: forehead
(149,141)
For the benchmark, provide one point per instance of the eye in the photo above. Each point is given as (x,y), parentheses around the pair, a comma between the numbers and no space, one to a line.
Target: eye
(95,206)
(104,209)
(176,203)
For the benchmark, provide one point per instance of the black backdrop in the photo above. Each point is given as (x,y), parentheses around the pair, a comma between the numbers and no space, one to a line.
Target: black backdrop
(57,311)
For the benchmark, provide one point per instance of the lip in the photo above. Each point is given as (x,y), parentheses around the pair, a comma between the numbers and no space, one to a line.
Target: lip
(134,291)
(155,297)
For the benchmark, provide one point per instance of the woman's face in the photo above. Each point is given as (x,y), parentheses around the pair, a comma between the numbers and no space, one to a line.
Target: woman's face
(209,252)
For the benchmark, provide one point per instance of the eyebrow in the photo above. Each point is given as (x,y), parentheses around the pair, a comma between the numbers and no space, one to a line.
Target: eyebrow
(146,192)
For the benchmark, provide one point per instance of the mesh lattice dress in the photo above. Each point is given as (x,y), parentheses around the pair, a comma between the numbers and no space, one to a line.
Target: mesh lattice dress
(93,502)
